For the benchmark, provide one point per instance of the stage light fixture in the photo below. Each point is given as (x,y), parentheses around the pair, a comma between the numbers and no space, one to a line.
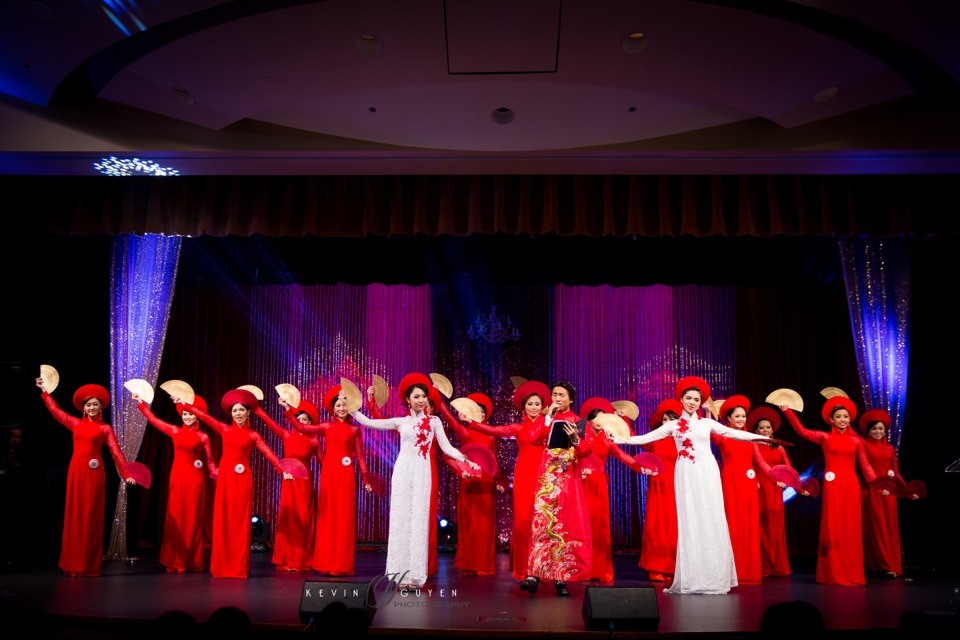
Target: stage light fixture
(261,533)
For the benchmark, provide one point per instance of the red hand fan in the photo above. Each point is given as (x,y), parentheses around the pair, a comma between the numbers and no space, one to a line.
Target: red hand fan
(811,486)
(295,468)
(649,461)
(892,484)
(786,475)
(464,470)
(378,484)
(482,455)
(139,472)
(915,488)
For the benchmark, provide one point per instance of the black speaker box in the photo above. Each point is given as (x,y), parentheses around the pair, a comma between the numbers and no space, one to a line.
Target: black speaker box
(620,609)
(348,599)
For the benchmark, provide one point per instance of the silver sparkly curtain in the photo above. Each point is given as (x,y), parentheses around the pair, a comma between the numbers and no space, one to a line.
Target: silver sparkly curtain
(143,272)
(877,276)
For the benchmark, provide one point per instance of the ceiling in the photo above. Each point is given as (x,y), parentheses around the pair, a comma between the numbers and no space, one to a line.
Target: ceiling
(480,86)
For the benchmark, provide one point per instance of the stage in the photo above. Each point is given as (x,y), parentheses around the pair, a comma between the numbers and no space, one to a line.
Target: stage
(129,596)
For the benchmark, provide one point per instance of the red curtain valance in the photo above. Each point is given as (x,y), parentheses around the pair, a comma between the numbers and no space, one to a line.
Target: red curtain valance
(357,206)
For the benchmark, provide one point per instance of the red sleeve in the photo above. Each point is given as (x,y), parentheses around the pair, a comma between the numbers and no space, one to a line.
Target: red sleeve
(864,461)
(505,431)
(115,451)
(374,410)
(624,457)
(207,419)
(584,446)
(164,427)
(59,414)
(894,464)
(358,450)
(760,463)
(319,430)
(538,431)
(453,422)
(276,428)
(803,432)
(211,465)
(266,450)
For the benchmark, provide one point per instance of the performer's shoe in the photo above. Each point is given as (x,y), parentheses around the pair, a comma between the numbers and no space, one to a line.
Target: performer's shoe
(530,584)
(656,577)
(561,587)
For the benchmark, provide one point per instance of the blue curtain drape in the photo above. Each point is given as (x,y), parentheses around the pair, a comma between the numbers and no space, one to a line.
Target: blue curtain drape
(877,276)
(143,272)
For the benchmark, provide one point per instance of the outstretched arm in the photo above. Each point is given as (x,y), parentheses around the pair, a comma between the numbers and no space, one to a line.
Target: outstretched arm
(384,424)
(271,423)
(163,427)
(803,432)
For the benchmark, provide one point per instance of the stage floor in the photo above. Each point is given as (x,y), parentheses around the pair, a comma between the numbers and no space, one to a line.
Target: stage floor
(124,601)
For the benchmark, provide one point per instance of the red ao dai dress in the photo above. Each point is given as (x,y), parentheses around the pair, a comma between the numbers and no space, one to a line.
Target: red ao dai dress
(840,554)
(741,503)
(658,552)
(774,557)
(233,501)
(336,528)
(293,545)
(881,523)
(524,485)
(597,492)
(560,541)
(476,509)
(81,552)
(182,545)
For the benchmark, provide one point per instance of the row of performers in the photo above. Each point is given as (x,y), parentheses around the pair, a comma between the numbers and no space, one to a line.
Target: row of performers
(701,525)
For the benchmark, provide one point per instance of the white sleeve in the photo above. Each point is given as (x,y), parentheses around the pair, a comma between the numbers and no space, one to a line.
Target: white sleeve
(445,445)
(661,432)
(735,434)
(385,424)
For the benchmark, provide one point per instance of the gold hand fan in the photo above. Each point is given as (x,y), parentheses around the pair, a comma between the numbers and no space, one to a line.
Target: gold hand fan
(830,392)
(517,381)
(140,387)
(179,389)
(353,395)
(613,425)
(289,394)
(469,408)
(257,393)
(442,383)
(50,378)
(381,391)
(787,397)
(629,409)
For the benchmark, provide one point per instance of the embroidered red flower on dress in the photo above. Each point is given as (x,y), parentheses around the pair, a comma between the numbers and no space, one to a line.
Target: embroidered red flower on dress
(686,444)
(423,434)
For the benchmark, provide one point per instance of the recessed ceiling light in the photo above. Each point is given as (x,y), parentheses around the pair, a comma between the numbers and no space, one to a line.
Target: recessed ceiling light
(634,42)
(502,115)
(183,95)
(827,94)
(368,43)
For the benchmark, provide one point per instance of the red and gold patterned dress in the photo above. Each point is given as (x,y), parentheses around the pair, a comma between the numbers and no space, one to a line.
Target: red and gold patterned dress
(560,541)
